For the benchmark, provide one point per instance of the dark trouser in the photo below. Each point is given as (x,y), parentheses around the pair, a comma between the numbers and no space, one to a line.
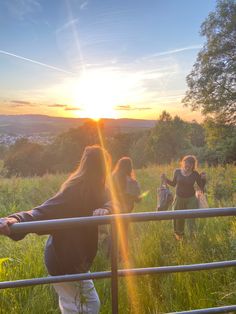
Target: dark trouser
(181,203)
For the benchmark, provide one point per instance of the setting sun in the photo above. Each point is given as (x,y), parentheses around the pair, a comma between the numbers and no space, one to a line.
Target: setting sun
(97,93)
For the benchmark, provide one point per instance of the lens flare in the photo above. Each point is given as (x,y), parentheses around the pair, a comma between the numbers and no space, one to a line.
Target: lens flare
(122,241)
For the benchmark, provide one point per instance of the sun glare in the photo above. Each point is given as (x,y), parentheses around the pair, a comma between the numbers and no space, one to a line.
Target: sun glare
(98,92)
(95,94)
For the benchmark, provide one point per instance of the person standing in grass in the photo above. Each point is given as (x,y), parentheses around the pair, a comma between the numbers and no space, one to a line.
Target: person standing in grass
(184,180)
(127,192)
(72,250)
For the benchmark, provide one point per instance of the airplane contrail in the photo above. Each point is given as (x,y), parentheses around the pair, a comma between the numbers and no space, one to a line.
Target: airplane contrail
(35,62)
(170,52)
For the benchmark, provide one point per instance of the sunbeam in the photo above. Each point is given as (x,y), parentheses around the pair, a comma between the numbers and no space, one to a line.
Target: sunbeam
(126,260)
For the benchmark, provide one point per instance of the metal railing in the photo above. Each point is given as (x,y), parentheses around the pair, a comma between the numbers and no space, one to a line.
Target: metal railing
(40,226)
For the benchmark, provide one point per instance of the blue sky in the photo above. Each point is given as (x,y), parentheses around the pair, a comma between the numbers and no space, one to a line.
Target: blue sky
(98,57)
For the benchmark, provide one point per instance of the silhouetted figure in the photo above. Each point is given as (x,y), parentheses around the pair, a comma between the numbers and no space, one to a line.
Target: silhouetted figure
(72,250)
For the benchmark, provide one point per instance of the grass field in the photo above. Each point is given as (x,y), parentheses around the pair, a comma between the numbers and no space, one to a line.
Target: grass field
(152,244)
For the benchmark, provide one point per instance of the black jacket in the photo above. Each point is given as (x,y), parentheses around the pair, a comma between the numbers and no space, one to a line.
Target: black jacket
(185,184)
(71,250)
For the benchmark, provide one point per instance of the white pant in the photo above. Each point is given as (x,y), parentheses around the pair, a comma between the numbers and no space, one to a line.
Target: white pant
(77,297)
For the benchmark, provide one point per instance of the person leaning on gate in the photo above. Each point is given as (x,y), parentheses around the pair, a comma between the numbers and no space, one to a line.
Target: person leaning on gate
(184,179)
(72,250)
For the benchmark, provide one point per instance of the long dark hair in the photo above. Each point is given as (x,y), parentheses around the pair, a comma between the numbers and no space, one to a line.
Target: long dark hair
(122,170)
(91,172)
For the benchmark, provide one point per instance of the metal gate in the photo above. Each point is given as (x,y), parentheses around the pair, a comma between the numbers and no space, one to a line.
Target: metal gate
(114,274)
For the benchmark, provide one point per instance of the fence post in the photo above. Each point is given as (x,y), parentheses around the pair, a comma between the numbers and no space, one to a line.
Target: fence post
(114,266)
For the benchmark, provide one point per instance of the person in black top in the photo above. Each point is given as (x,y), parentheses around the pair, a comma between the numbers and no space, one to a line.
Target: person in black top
(72,250)
(184,179)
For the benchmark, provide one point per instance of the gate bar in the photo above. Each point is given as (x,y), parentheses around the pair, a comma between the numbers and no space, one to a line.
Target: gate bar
(114,267)
(55,224)
(121,273)
(222,309)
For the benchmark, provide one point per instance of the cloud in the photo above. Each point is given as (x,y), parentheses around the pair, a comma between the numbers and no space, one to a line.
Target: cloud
(57,106)
(21,8)
(84,5)
(129,108)
(17,106)
(72,109)
(144,108)
(35,62)
(21,102)
(67,25)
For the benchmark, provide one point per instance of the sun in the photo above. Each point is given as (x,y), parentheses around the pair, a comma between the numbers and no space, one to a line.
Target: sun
(97,93)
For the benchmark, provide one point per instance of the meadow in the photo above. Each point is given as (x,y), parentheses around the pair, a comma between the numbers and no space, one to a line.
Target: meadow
(151,244)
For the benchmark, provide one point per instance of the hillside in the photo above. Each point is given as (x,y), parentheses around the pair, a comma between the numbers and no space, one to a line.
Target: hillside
(42,124)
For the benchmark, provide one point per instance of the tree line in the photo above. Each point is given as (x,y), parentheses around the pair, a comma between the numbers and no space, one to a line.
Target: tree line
(168,141)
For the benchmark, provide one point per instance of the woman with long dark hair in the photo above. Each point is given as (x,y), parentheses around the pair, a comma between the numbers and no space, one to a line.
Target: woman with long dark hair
(126,185)
(184,179)
(72,250)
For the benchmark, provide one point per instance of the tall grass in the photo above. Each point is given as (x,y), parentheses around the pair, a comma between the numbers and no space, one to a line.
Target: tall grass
(151,244)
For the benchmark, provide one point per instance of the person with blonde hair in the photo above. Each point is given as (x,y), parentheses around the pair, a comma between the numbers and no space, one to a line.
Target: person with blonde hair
(184,180)
(72,250)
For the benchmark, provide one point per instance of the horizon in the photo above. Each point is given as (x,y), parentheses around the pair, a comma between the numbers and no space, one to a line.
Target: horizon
(89,118)
(99,60)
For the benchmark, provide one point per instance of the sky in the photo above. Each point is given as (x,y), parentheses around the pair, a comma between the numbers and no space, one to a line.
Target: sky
(99,58)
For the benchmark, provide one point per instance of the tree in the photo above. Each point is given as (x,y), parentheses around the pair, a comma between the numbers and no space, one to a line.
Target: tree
(64,153)
(197,134)
(212,81)
(24,158)
(119,145)
(221,141)
(168,139)
(139,151)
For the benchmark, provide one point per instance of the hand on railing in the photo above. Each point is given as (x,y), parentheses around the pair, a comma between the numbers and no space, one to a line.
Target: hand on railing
(101,212)
(5,223)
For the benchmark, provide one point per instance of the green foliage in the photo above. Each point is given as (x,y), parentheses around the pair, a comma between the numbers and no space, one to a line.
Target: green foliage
(196,134)
(171,138)
(23,157)
(139,150)
(221,141)
(119,145)
(168,139)
(26,159)
(151,244)
(3,151)
(212,80)
(64,154)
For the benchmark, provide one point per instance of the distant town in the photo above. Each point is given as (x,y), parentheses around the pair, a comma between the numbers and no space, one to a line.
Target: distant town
(10,139)
(43,129)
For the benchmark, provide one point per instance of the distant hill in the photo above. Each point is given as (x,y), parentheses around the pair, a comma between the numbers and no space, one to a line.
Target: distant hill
(46,125)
